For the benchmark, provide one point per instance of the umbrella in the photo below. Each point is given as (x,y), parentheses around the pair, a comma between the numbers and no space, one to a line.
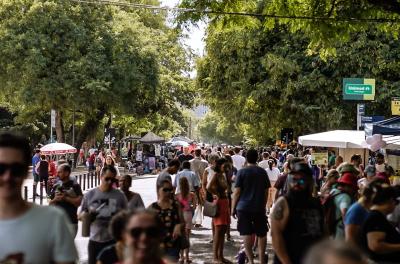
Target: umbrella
(180,144)
(57,149)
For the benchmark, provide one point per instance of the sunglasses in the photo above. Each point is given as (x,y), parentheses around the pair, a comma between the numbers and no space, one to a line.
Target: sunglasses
(298,181)
(152,231)
(167,189)
(109,179)
(16,169)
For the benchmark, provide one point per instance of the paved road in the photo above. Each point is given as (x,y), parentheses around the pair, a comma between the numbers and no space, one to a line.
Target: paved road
(201,250)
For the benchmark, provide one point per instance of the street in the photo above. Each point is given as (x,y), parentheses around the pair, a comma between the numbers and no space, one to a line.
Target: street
(201,249)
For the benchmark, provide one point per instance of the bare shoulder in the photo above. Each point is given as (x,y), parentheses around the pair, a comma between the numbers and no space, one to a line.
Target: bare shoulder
(279,208)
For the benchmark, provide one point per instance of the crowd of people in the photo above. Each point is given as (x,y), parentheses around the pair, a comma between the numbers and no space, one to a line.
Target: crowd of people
(340,213)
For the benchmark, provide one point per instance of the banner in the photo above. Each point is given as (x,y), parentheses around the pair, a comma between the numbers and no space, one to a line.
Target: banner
(319,158)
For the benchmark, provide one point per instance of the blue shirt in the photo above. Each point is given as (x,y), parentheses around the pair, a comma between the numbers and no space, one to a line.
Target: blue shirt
(190,176)
(35,160)
(356,215)
(253,183)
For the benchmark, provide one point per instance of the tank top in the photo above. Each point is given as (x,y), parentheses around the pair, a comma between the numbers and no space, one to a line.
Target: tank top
(210,175)
(304,228)
(185,202)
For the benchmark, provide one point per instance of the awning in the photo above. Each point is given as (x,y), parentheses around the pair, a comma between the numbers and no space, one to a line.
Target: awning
(151,138)
(334,139)
(344,139)
(389,126)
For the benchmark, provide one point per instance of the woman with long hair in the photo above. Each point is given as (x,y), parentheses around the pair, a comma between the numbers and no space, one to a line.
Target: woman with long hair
(218,188)
(187,200)
(170,214)
(380,238)
(230,174)
(109,160)
(273,175)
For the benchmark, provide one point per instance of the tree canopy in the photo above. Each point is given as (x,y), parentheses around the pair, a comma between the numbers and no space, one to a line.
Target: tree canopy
(91,58)
(258,81)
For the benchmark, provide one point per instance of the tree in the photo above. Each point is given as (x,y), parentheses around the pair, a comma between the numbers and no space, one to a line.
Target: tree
(324,22)
(92,58)
(263,80)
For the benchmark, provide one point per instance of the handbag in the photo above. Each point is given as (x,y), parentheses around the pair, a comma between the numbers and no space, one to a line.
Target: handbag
(210,209)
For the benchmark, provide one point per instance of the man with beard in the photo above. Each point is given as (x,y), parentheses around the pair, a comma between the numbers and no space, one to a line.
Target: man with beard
(297,218)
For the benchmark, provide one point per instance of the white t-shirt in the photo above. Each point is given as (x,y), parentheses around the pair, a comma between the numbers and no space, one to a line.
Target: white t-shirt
(273,174)
(238,161)
(210,175)
(263,164)
(40,236)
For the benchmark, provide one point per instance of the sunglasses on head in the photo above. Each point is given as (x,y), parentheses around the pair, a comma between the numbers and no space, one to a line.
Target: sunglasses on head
(152,231)
(167,189)
(16,169)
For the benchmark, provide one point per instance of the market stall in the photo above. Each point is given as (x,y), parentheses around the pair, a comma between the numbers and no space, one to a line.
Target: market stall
(348,142)
(149,155)
(386,133)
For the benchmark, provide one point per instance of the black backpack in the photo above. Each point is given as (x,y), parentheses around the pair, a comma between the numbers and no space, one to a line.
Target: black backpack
(329,209)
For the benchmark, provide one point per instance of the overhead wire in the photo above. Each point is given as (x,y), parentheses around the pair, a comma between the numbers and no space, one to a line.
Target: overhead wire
(232,13)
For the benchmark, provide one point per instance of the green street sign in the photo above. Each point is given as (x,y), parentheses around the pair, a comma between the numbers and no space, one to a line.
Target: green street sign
(358,89)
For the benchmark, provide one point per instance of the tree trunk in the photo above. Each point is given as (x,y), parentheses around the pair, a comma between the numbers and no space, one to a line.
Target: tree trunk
(89,128)
(59,127)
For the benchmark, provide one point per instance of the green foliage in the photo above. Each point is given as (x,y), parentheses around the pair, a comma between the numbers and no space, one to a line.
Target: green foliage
(335,21)
(259,81)
(92,58)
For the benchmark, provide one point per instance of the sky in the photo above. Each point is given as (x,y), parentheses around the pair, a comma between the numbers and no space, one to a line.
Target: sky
(195,33)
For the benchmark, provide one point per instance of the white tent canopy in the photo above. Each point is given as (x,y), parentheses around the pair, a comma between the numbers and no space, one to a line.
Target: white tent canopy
(341,139)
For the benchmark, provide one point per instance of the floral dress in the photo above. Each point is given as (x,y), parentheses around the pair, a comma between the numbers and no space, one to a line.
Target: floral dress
(170,218)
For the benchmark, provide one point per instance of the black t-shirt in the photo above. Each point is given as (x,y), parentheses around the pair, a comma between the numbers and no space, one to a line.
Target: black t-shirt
(108,255)
(43,169)
(71,189)
(377,222)
(253,182)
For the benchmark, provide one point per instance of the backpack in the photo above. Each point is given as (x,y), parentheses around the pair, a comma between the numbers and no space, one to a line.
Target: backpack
(329,209)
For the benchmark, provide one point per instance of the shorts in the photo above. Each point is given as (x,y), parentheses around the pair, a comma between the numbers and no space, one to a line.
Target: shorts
(252,223)
(36,177)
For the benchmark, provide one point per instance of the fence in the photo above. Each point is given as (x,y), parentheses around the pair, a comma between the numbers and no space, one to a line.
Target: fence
(86,181)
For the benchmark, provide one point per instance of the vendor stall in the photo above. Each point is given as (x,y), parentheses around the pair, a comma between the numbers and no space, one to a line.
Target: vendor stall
(349,142)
